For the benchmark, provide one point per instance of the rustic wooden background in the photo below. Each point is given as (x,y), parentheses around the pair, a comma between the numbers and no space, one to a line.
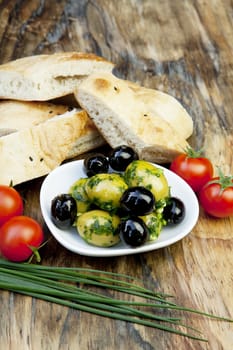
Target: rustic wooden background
(182,47)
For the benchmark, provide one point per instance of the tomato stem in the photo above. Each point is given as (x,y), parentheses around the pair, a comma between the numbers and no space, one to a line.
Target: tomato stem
(35,252)
(224,181)
(191,153)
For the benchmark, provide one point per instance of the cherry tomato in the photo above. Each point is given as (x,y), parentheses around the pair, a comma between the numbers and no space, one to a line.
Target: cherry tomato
(216,197)
(193,168)
(11,203)
(19,236)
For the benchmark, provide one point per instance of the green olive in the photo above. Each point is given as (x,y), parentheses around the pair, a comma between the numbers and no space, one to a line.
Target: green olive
(154,222)
(77,191)
(143,173)
(105,190)
(99,228)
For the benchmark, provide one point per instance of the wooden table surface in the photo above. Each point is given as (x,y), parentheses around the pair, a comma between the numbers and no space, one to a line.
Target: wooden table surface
(182,47)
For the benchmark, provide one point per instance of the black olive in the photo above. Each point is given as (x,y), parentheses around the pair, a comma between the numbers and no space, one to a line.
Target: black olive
(63,210)
(121,156)
(96,164)
(174,211)
(138,201)
(133,231)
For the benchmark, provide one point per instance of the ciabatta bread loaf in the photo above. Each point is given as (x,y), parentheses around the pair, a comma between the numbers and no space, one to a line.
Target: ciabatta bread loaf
(125,113)
(37,137)
(45,77)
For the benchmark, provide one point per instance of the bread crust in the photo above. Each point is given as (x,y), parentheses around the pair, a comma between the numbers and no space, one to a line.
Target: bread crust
(18,115)
(166,107)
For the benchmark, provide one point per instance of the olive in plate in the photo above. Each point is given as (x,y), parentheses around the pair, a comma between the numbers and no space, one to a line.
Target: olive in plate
(120,157)
(96,164)
(77,191)
(138,200)
(133,231)
(106,190)
(143,173)
(154,222)
(99,228)
(174,211)
(63,210)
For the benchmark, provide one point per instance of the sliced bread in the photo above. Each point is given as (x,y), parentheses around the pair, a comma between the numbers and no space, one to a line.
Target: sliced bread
(38,137)
(46,77)
(125,114)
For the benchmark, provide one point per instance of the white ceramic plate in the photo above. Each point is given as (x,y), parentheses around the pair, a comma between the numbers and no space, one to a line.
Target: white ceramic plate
(60,180)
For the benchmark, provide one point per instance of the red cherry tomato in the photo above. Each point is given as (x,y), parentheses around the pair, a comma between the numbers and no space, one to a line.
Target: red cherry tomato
(19,236)
(11,203)
(193,168)
(216,197)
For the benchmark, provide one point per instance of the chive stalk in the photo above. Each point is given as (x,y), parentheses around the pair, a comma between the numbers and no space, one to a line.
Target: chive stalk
(77,288)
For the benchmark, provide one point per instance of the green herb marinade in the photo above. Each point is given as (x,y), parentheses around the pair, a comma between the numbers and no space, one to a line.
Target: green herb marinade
(100,228)
(77,191)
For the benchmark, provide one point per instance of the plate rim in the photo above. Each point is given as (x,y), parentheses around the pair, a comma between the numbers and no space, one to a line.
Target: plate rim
(94,251)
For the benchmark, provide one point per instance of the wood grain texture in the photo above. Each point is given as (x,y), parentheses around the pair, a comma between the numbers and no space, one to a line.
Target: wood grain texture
(181,47)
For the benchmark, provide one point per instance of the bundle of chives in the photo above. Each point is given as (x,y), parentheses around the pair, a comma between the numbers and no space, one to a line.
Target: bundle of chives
(66,286)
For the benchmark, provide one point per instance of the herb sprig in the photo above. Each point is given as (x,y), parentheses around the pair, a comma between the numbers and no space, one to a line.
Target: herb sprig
(76,288)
